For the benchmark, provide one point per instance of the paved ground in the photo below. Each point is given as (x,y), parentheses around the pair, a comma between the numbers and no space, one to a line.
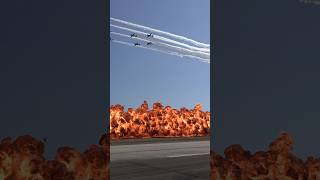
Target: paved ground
(161,160)
(157,140)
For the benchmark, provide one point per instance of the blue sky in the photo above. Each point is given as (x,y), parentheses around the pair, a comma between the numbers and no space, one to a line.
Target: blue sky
(138,74)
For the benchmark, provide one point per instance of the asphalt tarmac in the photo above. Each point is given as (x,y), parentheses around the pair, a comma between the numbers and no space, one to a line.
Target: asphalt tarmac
(179,159)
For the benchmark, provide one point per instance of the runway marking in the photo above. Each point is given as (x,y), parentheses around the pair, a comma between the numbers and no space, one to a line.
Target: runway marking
(184,155)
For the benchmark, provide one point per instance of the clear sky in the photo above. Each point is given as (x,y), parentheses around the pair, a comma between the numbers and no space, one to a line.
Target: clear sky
(138,74)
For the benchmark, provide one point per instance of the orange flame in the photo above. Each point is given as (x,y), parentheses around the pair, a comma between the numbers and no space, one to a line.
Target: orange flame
(160,121)
(23,159)
(278,163)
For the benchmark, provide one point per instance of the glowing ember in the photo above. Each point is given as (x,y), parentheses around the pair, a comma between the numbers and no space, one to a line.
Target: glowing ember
(160,121)
(23,159)
(278,163)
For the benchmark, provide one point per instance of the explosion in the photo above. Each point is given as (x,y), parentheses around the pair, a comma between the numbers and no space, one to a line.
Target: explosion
(278,163)
(160,121)
(22,159)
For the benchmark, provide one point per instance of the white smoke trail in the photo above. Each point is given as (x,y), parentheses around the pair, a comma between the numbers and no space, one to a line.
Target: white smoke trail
(166,52)
(177,48)
(132,45)
(158,50)
(206,50)
(174,48)
(161,32)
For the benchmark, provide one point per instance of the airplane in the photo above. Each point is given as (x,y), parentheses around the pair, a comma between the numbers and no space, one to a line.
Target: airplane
(149,43)
(137,44)
(133,35)
(150,35)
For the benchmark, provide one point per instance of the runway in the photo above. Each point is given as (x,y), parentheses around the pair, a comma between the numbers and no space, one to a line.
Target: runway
(160,160)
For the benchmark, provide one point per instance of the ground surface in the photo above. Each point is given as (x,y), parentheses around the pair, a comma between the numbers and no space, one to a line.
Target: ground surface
(160,159)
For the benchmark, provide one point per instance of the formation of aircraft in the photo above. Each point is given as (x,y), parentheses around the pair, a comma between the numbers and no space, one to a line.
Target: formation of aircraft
(135,35)
(148,35)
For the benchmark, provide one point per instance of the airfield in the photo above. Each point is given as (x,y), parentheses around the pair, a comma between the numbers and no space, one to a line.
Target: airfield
(160,158)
